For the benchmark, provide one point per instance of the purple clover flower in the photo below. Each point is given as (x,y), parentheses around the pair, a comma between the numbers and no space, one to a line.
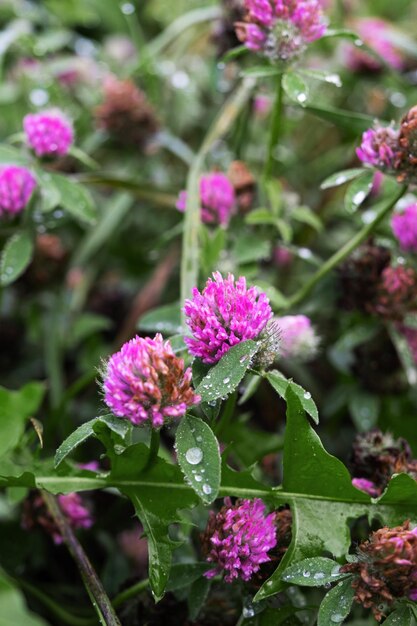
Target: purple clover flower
(404,227)
(48,133)
(379,147)
(146,383)
(281,29)
(217,197)
(238,539)
(75,511)
(224,314)
(298,339)
(16,187)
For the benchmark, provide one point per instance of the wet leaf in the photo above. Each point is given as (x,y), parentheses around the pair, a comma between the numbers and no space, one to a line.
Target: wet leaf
(16,256)
(313,572)
(336,604)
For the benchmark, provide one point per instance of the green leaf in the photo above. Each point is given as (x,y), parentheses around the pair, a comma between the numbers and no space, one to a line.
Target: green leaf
(210,409)
(49,193)
(344,33)
(281,384)
(251,247)
(223,378)
(260,216)
(322,75)
(184,574)
(199,457)
(13,606)
(313,572)
(212,243)
(340,178)
(350,121)
(358,191)
(75,198)
(400,617)
(165,319)
(261,71)
(401,489)
(364,408)
(336,604)
(16,256)
(16,407)
(305,215)
(197,596)
(295,87)
(9,154)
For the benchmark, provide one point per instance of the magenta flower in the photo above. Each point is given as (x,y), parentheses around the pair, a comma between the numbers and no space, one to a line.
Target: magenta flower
(146,383)
(367,486)
(379,147)
(376,34)
(75,511)
(16,187)
(298,337)
(48,133)
(224,314)
(238,538)
(218,200)
(281,29)
(404,226)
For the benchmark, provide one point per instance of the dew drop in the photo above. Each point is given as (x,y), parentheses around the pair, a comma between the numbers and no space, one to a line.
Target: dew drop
(306,574)
(307,395)
(318,576)
(337,618)
(336,570)
(207,489)
(226,380)
(194,456)
(248,612)
(199,438)
(198,478)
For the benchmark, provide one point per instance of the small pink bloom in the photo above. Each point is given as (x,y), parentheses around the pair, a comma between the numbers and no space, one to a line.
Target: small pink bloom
(298,339)
(48,133)
(16,187)
(75,511)
(218,200)
(379,147)
(366,485)
(375,33)
(404,226)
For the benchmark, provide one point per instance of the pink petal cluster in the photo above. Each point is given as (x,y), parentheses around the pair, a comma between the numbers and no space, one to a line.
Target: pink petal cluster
(238,539)
(16,187)
(281,29)
(375,33)
(367,486)
(146,383)
(217,196)
(404,227)
(48,133)
(224,314)
(75,511)
(298,339)
(379,147)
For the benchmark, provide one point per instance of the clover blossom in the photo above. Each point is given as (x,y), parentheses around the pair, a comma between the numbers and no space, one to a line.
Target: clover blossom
(217,197)
(404,227)
(298,337)
(16,187)
(281,29)
(379,147)
(146,383)
(224,314)
(385,568)
(238,538)
(48,133)
(375,32)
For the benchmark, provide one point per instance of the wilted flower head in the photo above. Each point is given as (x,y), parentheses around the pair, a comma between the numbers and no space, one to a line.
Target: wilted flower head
(281,29)
(385,568)
(146,383)
(298,337)
(217,196)
(35,513)
(406,163)
(244,184)
(397,292)
(224,314)
(16,187)
(404,227)
(375,32)
(379,147)
(125,113)
(238,538)
(48,133)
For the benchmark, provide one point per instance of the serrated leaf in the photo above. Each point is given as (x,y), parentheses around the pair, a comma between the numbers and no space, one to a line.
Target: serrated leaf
(16,256)
(358,191)
(223,378)
(336,604)
(75,198)
(295,87)
(340,178)
(313,572)
(281,384)
(198,455)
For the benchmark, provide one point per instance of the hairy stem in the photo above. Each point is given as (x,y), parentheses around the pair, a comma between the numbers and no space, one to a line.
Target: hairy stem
(91,581)
(275,129)
(345,251)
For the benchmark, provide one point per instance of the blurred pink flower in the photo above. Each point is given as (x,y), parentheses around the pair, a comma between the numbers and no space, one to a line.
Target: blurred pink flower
(48,133)
(16,187)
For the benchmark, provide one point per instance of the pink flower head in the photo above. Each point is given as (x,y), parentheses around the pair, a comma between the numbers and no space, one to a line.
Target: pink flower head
(224,314)
(376,34)
(217,197)
(379,147)
(281,29)
(298,337)
(367,486)
(48,133)
(75,511)
(16,187)
(404,226)
(238,538)
(146,383)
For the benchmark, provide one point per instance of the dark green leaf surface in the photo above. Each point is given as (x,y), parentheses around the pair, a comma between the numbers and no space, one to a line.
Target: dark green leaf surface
(336,604)
(15,257)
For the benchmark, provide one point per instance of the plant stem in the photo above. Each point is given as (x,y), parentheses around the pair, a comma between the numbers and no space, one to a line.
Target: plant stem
(130,592)
(346,250)
(275,129)
(190,256)
(91,581)
(153,448)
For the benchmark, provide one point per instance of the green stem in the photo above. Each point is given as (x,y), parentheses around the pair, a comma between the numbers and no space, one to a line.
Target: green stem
(131,592)
(275,130)
(345,251)
(222,123)
(153,448)
(92,583)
